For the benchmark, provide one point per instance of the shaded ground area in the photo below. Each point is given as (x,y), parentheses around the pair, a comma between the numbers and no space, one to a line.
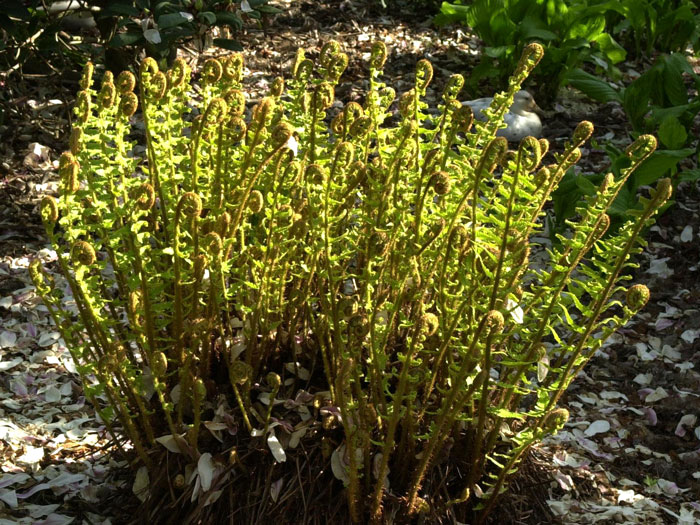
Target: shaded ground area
(631,451)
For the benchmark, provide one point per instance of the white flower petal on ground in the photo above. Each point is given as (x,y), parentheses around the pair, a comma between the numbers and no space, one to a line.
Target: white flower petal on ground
(9,497)
(275,489)
(32,455)
(7,339)
(689,336)
(660,268)
(52,394)
(7,365)
(597,427)
(515,311)
(153,36)
(687,420)
(643,379)
(205,468)
(293,145)
(55,519)
(170,442)
(140,487)
(276,448)
(687,234)
(656,395)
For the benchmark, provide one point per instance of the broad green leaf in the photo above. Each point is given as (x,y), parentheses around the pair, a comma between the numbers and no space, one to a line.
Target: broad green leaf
(207,17)
(672,133)
(268,9)
(118,8)
(689,175)
(636,101)
(230,19)
(585,185)
(126,39)
(171,20)
(673,85)
(612,51)
(593,86)
(658,165)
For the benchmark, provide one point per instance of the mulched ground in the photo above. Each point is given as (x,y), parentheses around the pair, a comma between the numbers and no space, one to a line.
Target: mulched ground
(631,451)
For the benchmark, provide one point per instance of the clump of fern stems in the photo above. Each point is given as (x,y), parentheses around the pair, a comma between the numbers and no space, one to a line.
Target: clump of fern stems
(392,261)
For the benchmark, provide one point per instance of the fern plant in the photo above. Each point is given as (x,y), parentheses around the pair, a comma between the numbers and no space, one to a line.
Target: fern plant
(293,271)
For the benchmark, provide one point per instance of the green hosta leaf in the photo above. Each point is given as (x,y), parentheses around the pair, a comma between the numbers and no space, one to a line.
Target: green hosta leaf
(499,52)
(126,39)
(612,51)
(689,175)
(172,20)
(227,43)
(658,165)
(673,85)
(230,19)
(672,133)
(533,28)
(626,200)
(593,86)
(207,17)
(684,113)
(585,185)
(268,9)
(15,9)
(589,29)
(118,8)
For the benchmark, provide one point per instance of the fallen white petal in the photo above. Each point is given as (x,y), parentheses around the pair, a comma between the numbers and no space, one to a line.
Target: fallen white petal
(32,456)
(276,448)
(153,36)
(689,336)
(55,519)
(205,468)
(660,268)
(515,311)
(37,511)
(9,497)
(292,144)
(213,497)
(656,395)
(643,379)
(170,442)
(275,489)
(52,394)
(686,421)
(338,465)
(140,487)
(597,427)
(6,365)
(7,339)
(687,234)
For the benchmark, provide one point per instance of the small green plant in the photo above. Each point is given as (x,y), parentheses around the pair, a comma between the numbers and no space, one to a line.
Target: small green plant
(367,285)
(160,27)
(37,35)
(34,37)
(572,32)
(657,102)
(648,26)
